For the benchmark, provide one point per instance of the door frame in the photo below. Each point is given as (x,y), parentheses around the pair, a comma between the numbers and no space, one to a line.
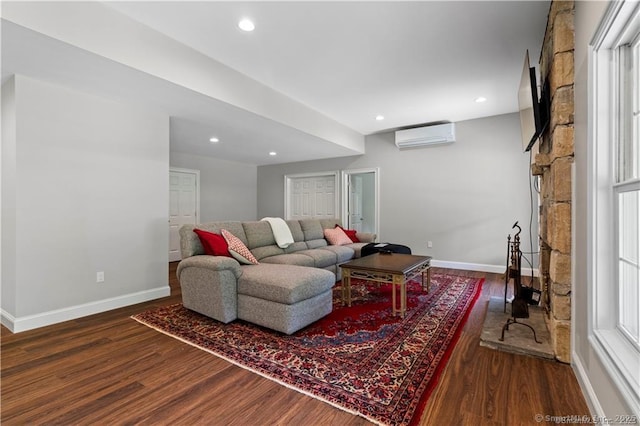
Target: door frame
(287,187)
(376,193)
(197,193)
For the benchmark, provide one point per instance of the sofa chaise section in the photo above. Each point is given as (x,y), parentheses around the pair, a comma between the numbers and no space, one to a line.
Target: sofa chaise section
(285,298)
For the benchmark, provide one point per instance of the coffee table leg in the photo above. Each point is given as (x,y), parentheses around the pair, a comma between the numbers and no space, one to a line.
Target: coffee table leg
(346,287)
(398,280)
(426,278)
(393,297)
(403,298)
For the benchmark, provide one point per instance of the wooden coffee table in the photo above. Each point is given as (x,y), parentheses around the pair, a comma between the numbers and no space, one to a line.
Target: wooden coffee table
(395,269)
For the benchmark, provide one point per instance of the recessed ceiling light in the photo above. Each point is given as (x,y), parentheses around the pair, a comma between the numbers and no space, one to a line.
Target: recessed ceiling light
(481,99)
(214,140)
(246,25)
(272,153)
(379,117)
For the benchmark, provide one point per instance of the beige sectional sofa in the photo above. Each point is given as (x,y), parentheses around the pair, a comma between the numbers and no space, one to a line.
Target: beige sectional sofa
(289,289)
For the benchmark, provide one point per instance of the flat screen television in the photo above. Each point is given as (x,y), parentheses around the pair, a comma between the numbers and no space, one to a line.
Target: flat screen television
(533,109)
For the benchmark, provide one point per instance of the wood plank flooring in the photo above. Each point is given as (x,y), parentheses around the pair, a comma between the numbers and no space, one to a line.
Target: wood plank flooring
(108,369)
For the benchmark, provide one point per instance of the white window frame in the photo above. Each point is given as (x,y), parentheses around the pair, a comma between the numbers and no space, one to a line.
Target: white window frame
(620,357)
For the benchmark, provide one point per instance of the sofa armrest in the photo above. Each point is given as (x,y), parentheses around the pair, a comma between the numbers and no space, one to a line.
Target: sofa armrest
(209,286)
(366,237)
(213,263)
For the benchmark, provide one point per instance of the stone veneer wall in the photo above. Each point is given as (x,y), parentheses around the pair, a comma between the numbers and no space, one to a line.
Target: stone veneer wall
(553,163)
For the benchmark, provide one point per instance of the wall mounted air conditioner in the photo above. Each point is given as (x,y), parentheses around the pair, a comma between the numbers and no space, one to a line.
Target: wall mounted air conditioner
(424,136)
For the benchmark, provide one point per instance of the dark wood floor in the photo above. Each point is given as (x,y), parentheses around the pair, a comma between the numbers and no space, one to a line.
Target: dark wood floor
(108,369)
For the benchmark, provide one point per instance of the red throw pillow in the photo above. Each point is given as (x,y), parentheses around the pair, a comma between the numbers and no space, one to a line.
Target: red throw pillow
(213,244)
(351,233)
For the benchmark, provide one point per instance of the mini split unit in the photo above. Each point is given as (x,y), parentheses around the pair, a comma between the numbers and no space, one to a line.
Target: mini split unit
(425,136)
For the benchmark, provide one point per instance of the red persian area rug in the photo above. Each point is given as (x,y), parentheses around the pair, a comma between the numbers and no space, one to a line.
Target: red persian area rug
(360,359)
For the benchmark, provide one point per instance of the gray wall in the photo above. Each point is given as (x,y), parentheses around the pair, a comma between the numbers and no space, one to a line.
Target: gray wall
(603,396)
(463,196)
(8,199)
(227,188)
(86,191)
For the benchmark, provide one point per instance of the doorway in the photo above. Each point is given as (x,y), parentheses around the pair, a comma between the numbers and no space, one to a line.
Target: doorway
(360,200)
(184,205)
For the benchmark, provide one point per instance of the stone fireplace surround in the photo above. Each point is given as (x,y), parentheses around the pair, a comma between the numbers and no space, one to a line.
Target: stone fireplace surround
(553,164)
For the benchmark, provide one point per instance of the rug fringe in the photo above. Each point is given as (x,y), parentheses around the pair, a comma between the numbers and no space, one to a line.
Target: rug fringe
(333,404)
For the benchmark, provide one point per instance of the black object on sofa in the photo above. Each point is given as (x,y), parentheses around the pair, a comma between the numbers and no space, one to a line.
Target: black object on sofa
(372,248)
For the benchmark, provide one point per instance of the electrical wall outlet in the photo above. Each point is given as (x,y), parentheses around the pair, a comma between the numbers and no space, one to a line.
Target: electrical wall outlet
(430,244)
(100,277)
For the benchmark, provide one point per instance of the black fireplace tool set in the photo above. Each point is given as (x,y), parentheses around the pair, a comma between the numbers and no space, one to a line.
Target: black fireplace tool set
(522,295)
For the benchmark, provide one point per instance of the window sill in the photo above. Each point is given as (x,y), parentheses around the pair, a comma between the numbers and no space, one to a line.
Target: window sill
(622,360)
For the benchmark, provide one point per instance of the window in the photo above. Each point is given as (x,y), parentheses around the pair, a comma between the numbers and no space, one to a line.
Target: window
(627,190)
(614,205)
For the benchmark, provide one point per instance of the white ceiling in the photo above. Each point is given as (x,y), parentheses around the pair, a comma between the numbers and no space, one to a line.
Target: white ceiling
(413,62)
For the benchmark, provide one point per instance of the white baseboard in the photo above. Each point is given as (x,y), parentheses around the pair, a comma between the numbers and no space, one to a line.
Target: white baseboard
(29,322)
(496,269)
(585,384)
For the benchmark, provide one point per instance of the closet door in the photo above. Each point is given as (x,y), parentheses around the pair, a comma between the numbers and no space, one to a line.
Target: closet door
(311,196)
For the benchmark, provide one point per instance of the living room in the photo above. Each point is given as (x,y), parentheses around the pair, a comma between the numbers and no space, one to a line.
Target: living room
(458,197)
(65,194)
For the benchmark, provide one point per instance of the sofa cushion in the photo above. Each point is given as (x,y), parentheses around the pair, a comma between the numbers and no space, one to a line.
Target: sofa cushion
(296,230)
(190,244)
(343,253)
(301,245)
(266,251)
(258,234)
(313,244)
(282,317)
(286,284)
(312,229)
(330,223)
(366,237)
(321,258)
(235,228)
(238,250)
(290,259)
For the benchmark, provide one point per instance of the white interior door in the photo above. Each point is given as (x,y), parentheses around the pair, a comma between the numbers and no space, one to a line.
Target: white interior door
(183,206)
(324,193)
(311,196)
(355,203)
(301,198)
